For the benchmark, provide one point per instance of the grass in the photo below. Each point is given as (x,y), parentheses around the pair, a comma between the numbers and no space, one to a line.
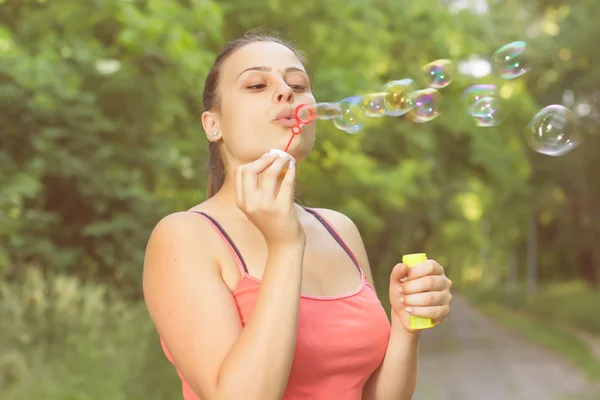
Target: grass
(64,339)
(551,319)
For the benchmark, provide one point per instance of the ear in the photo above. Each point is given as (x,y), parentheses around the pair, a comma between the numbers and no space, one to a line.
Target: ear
(210,124)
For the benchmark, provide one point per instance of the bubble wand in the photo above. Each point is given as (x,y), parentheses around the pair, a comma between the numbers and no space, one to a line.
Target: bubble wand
(297,129)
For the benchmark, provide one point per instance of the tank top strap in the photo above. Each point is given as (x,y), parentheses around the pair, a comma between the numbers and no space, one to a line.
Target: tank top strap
(239,260)
(333,232)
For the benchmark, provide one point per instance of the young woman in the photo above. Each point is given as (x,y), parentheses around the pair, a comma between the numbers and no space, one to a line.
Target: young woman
(256,297)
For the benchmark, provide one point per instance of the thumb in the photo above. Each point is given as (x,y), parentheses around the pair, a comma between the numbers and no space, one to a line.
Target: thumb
(399,272)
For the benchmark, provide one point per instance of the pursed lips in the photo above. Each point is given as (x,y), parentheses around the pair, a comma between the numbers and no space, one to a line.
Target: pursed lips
(286,118)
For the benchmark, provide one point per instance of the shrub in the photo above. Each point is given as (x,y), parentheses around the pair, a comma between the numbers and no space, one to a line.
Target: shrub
(61,338)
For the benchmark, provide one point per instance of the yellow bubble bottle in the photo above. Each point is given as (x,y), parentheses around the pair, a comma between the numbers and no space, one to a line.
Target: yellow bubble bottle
(417,322)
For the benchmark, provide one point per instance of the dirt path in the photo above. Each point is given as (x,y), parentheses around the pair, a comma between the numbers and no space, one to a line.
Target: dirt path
(471,357)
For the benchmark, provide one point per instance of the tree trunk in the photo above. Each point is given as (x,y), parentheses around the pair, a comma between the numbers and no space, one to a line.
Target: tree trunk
(587,267)
(583,216)
(532,253)
(513,270)
(487,272)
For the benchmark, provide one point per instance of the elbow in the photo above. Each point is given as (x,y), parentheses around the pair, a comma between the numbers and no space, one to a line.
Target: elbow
(247,392)
(240,392)
(248,389)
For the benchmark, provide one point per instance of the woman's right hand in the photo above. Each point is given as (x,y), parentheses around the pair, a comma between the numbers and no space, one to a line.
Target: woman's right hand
(268,201)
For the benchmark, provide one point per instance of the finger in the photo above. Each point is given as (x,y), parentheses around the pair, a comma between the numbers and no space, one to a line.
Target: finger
(250,174)
(434,312)
(258,166)
(399,272)
(270,179)
(431,283)
(239,192)
(429,267)
(427,299)
(287,191)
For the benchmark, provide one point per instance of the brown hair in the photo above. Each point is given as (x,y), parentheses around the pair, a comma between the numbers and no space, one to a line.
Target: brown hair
(211,100)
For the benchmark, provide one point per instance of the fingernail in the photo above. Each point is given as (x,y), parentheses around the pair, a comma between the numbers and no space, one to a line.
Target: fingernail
(292,162)
(403,279)
(402,300)
(400,289)
(277,152)
(408,310)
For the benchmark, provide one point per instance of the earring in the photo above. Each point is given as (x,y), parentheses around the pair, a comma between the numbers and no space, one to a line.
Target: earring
(215,133)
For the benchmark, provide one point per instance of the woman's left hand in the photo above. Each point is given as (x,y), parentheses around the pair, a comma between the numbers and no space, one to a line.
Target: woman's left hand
(421,291)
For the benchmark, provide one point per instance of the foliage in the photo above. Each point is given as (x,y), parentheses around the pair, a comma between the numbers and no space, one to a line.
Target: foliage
(572,305)
(97,127)
(100,138)
(62,338)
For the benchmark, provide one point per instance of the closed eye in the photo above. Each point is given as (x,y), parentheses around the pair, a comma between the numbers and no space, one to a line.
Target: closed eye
(298,88)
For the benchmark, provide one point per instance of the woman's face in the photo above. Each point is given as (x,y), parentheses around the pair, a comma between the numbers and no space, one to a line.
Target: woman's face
(258,82)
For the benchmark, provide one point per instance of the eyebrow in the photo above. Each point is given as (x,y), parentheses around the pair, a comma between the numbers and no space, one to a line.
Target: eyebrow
(269,69)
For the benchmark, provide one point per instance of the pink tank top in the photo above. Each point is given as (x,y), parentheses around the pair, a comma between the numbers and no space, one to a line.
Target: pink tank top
(341,340)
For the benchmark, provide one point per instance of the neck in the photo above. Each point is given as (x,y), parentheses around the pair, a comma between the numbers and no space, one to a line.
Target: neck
(227,193)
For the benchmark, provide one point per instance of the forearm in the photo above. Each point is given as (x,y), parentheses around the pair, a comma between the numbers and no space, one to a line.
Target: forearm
(258,364)
(396,378)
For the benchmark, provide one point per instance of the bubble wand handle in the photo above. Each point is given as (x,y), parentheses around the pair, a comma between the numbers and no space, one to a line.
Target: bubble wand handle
(417,323)
(290,141)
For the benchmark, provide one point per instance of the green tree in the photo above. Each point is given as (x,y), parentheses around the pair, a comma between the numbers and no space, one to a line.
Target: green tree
(99,137)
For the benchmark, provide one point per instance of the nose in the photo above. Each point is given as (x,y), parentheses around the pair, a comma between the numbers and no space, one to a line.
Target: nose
(283,94)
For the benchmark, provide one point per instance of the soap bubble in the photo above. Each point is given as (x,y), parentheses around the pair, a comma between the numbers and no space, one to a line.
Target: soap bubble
(476,92)
(398,100)
(324,111)
(554,131)
(438,74)
(512,60)
(351,118)
(426,105)
(374,104)
(487,112)
(327,110)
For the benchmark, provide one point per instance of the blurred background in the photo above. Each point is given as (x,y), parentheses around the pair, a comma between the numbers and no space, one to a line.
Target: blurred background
(100,138)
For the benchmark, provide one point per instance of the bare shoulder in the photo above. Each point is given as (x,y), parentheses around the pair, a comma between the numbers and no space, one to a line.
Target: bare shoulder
(178,220)
(349,232)
(187,226)
(180,228)
(342,223)
(181,242)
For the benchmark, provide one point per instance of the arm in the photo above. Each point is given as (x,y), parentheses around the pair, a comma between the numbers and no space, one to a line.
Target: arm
(396,377)
(196,316)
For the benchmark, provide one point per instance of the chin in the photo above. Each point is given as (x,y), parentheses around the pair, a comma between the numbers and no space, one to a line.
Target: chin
(300,149)
(301,144)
